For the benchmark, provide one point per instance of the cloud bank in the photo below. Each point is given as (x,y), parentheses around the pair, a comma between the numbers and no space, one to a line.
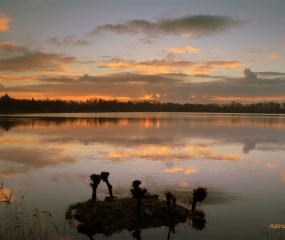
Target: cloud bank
(162,87)
(15,58)
(197,25)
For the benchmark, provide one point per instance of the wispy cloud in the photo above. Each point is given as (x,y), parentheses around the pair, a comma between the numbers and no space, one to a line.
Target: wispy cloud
(253,50)
(174,169)
(190,170)
(178,169)
(197,25)
(166,64)
(274,56)
(4,22)
(8,48)
(274,74)
(175,50)
(225,63)
(188,49)
(70,40)
(218,51)
(192,49)
(119,63)
(207,153)
(21,59)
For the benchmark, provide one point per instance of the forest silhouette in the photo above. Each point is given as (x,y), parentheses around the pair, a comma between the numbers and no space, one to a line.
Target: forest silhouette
(12,105)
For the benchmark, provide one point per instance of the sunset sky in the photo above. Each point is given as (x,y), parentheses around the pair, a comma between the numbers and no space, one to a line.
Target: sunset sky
(168,50)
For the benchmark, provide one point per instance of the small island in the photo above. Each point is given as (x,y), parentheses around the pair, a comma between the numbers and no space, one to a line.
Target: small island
(141,211)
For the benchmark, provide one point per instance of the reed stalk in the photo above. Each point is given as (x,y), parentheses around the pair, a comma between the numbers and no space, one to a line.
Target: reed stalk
(17,223)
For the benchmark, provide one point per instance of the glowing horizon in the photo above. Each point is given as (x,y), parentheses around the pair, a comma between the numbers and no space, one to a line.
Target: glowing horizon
(200,53)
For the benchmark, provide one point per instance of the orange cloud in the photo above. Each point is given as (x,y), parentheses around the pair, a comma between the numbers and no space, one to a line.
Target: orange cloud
(123,64)
(163,153)
(186,35)
(175,50)
(116,155)
(271,165)
(225,63)
(184,184)
(207,67)
(167,153)
(274,56)
(116,63)
(150,96)
(201,70)
(82,69)
(192,49)
(189,49)
(8,78)
(30,157)
(177,169)
(4,22)
(156,71)
(174,169)
(209,154)
(190,170)
(11,47)
(168,66)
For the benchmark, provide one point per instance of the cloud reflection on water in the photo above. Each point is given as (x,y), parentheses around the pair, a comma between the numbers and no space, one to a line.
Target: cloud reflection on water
(19,159)
(39,142)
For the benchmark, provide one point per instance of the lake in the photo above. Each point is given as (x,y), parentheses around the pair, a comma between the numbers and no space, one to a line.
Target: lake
(239,158)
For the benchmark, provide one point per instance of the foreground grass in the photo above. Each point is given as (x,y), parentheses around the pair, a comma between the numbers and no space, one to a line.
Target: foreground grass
(17,223)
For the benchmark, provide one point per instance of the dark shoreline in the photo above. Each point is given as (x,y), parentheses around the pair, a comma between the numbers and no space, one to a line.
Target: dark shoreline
(10,105)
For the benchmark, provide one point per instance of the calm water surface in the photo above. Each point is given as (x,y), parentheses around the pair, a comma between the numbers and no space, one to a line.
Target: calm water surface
(239,158)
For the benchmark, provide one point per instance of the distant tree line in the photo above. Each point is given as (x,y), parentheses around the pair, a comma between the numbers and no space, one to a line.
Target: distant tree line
(12,105)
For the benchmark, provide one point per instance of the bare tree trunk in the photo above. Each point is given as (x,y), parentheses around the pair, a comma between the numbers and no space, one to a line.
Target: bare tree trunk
(95,181)
(94,193)
(110,187)
(171,229)
(138,207)
(194,206)
(137,234)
